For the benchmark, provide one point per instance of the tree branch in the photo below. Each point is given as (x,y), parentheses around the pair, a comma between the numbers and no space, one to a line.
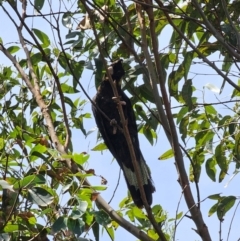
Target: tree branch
(195,212)
(68,132)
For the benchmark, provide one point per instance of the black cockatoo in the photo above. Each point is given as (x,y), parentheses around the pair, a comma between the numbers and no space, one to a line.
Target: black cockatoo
(115,139)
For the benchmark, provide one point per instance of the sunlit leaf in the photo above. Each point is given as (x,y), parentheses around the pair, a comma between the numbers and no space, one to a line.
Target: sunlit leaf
(210,110)
(179,215)
(100,147)
(67,89)
(11,228)
(166,155)
(99,188)
(42,37)
(30,181)
(110,232)
(67,20)
(212,87)
(40,196)
(6,185)
(152,234)
(80,158)
(37,152)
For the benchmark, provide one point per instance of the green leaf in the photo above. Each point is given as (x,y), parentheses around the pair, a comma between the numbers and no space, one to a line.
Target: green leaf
(88,218)
(182,113)
(59,224)
(124,202)
(77,226)
(37,152)
(30,181)
(148,133)
(166,155)
(11,228)
(225,205)
(67,89)
(36,58)
(221,158)
(179,215)
(110,232)
(232,128)
(227,63)
(187,94)
(196,165)
(95,229)
(130,215)
(102,218)
(99,188)
(80,158)
(42,37)
(211,169)
(77,68)
(67,20)
(152,233)
(212,210)
(82,206)
(1,143)
(210,110)
(173,80)
(38,4)
(203,137)
(183,127)
(157,210)
(100,147)
(141,112)
(225,120)
(237,146)
(144,92)
(138,213)
(215,196)
(13,49)
(222,175)
(188,57)
(32,220)
(99,73)
(40,196)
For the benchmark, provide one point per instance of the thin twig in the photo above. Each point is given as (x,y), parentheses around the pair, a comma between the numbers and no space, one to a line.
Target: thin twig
(68,132)
(230,226)
(206,60)
(220,230)
(119,176)
(175,221)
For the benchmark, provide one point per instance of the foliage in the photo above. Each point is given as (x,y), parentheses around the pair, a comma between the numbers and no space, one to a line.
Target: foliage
(44,98)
